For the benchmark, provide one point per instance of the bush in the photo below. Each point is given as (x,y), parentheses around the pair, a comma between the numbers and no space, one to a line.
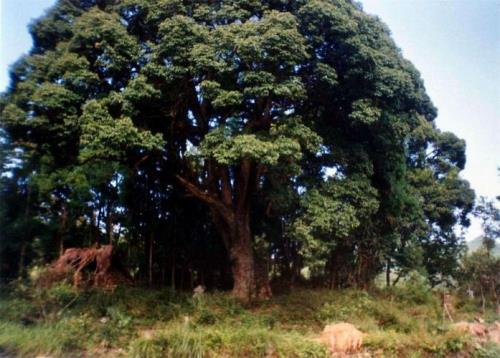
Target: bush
(346,307)
(416,289)
(18,310)
(451,343)
(419,343)
(206,317)
(390,317)
(121,319)
(489,350)
(61,294)
(58,339)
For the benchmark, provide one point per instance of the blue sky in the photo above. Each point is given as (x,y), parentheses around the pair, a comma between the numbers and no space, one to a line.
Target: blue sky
(456,47)
(454,44)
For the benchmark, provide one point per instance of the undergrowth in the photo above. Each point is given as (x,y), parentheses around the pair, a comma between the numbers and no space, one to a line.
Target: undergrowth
(138,322)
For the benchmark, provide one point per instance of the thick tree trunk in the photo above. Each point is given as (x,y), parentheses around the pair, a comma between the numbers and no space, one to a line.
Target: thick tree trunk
(250,280)
(242,259)
(230,206)
(250,276)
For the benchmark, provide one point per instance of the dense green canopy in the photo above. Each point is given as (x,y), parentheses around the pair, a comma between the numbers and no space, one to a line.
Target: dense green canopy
(227,141)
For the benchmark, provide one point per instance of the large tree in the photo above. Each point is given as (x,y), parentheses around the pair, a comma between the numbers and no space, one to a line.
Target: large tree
(291,121)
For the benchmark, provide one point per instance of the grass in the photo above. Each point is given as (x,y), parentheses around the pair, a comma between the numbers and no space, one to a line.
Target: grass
(136,322)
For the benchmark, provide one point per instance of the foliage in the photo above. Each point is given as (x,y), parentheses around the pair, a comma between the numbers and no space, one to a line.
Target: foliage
(479,269)
(479,273)
(489,214)
(298,123)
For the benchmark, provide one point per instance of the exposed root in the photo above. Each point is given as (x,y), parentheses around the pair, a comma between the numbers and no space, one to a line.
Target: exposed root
(93,266)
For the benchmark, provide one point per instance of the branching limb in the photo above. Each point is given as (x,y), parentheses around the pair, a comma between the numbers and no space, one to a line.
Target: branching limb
(209,199)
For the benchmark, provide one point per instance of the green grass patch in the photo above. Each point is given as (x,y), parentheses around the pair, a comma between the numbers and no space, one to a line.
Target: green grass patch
(64,322)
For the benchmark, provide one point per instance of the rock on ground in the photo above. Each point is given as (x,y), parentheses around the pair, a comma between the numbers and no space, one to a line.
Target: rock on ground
(474,329)
(479,330)
(494,333)
(341,338)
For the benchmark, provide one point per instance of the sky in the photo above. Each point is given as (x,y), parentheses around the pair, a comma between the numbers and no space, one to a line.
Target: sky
(454,44)
(456,47)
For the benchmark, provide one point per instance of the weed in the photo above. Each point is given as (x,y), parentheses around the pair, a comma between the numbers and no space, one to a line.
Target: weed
(398,322)
(147,348)
(490,350)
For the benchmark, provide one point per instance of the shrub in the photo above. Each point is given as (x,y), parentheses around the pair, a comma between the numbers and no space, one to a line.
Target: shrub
(416,289)
(345,307)
(389,317)
(206,317)
(449,343)
(61,294)
(18,310)
(489,350)
(57,339)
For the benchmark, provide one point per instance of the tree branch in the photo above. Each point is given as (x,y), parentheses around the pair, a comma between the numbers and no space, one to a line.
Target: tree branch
(209,199)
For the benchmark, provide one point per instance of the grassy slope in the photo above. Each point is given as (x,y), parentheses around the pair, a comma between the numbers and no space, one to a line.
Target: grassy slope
(138,322)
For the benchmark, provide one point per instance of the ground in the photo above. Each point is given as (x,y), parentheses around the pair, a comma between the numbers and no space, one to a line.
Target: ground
(142,322)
